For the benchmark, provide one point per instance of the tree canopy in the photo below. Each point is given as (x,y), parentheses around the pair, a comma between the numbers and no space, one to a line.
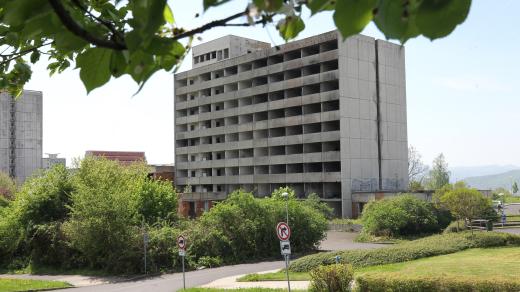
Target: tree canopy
(109,38)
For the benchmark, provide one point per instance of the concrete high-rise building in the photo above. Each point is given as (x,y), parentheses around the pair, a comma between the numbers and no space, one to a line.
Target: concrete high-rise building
(52,160)
(21,134)
(320,115)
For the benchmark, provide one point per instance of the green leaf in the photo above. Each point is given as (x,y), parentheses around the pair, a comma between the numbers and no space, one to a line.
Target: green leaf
(20,11)
(35,56)
(291,27)
(208,3)
(351,16)
(168,14)
(94,66)
(397,21)
(68,42)
(320,5)
(438,18)
(148,16)
(268,5)
(117,64)
(141,65)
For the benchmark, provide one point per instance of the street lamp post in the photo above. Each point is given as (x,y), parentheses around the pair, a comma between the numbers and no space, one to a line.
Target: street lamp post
(286,196)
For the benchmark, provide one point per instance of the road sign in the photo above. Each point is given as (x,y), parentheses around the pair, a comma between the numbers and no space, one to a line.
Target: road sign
(283,231)
(182,252)
(181,242)
(285,247)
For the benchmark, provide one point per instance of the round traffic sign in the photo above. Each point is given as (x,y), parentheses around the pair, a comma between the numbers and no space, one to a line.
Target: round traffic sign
(181,242)
(283,231)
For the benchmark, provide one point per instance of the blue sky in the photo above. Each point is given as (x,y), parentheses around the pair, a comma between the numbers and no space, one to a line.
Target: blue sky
(460,90)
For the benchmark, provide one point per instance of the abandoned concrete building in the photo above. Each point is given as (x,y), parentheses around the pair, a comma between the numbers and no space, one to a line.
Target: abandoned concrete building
(320,115)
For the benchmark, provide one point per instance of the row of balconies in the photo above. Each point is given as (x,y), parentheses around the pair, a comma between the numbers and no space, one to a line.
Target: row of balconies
(256,81)
(254,65)
(320,127)
(321,177)
(328,190)
(261,156)
(260,115)
(246,109)
(262,96)
(268,142)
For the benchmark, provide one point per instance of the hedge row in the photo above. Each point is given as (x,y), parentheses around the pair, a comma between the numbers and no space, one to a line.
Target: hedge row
(379,282)
(416,249)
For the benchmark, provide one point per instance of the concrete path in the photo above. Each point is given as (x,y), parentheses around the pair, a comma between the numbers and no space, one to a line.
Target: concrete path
(337,240)
(231,283)
(74,280)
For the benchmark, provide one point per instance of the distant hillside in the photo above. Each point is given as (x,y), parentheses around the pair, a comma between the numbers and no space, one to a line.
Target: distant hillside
(462,172)
(494,181)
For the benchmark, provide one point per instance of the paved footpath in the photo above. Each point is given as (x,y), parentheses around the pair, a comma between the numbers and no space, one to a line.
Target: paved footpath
(231,283)
(173,282)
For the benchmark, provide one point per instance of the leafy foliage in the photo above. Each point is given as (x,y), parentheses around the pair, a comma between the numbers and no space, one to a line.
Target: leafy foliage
(466,204)
(439,175)
(407,251)
(379,282)
(243,228)
(112,38)
(7,187)
(398,216)
(331,278)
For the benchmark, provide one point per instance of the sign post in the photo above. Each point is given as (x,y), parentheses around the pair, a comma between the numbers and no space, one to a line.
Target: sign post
(283,231)
(181,242)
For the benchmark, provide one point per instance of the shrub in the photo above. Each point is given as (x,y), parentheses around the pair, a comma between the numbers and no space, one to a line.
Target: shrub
(401,215)
(382,282)
(335,278)
(455,226)
(407,251)
(242,228)
(162,248)
(210,262)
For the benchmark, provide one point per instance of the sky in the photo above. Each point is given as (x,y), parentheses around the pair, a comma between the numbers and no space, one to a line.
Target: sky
(461,97)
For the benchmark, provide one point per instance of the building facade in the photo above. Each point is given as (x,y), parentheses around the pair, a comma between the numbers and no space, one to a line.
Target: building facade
(123,157)
(52,160)
(21,134)
(320,115)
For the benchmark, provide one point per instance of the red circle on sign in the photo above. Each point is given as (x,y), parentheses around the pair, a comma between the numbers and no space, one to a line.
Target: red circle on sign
(181,242)
(283,231)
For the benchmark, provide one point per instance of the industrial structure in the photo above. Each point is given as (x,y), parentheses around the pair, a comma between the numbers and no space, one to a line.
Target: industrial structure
(321,115)
(21,134)
(52,159)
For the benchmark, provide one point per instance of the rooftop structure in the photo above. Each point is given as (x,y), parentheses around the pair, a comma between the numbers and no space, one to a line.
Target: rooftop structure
(21,134)
(53,159)
(123,157)
(320,115)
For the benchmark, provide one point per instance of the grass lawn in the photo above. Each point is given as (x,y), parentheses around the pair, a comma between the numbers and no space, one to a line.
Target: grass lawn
(480,262)
(276,276)
(236,290)
(8,285)
(489,262)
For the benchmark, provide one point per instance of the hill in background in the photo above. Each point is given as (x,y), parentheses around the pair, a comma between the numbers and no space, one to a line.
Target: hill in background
(495,180)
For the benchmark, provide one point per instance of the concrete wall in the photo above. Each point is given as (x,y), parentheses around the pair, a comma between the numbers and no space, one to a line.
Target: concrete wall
(28,133)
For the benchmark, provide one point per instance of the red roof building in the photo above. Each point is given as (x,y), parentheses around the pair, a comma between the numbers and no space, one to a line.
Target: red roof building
(123,157)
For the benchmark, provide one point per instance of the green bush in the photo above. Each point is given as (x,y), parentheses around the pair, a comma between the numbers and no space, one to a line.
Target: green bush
(242,228)
(455,226)
(162,249)
(382,282)
(398,216)
(335,278)
(407,251)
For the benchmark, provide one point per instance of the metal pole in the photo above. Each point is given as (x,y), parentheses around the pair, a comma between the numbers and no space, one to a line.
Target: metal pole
(183,274)
(145,257)
(287,272)
(287,210)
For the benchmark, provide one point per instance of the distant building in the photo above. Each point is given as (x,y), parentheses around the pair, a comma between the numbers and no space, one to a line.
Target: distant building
(123,157)
(52,160)
(162,171)
(322,115)
(21,134)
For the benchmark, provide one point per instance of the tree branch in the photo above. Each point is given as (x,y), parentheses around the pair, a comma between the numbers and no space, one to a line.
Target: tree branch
(9,57)
(209,25)
(76,29)
(116,34)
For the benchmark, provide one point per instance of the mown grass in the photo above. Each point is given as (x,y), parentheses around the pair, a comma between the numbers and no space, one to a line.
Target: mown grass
(275,276)
(426,247)
(236,290)
(11,285)
(480,262)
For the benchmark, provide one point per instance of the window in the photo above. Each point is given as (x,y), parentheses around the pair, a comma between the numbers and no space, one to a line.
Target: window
(213,54)
(196,60)
(226,53)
